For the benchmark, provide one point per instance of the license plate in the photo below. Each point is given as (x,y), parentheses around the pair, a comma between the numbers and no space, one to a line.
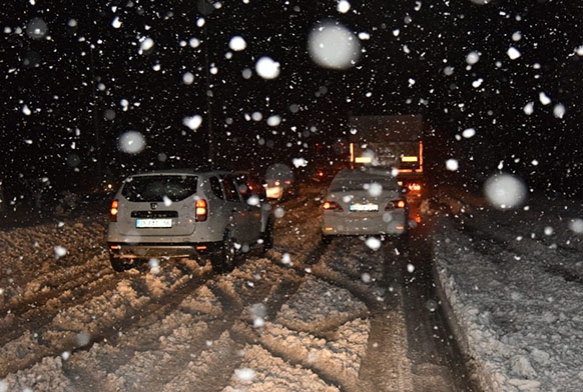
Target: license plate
(364,207)
(142,223)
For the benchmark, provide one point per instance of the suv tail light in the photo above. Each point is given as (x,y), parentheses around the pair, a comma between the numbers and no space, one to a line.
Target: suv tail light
(396,204)
(113,211)
(331,205)
(201,210)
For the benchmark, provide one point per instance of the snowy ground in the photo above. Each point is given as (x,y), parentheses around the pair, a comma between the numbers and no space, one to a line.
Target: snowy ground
(512,279)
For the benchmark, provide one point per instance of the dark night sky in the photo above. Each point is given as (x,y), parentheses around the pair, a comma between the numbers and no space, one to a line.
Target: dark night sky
(69,87)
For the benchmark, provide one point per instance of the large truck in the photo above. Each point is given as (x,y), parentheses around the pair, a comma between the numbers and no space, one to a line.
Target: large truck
(392,141)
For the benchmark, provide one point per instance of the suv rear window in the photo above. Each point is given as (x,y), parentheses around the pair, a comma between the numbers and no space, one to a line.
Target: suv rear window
(157,188)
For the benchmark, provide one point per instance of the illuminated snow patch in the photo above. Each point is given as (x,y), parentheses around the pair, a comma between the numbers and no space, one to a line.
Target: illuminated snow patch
(274,120)
(60,251)
(473,57)
(331,45)
(559,110)
(576,226)
(516,36)
(286,259)
(432,305)
(364,36)
(300,162)
(544,98)
(373,243)
(188,78)
(279,212)
(237,43)
(131,142)
(505,191)
(451,164)
(73,160)
(468,133)
(82,339)
(247,73)
(194,43)
(253,200)
(193,122)
(146,44)
(154,266)
(267,68)
(245,374)
(258,312)
(374,189)
(513,53)
(343,6)
(36,28)
(116,23)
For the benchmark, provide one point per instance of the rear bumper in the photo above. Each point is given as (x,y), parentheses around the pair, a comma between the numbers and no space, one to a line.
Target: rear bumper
(160,250)
(341,225)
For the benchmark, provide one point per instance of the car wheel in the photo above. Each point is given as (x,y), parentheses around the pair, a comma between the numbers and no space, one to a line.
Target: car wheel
(267,236)
(326,239)
(224,260)
(118,265)
(402,242)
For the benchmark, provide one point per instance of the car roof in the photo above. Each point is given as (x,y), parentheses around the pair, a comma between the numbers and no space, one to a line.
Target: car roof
(363,172)
(185,171)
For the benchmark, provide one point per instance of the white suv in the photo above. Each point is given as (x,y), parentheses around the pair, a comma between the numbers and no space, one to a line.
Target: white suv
(186,214)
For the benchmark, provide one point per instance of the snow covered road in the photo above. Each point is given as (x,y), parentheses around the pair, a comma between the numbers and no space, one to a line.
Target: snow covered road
(307,317)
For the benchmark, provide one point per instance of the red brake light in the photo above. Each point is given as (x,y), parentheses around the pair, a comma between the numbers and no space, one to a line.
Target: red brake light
(331,205)
(201,211)
(396,204)
(113,211)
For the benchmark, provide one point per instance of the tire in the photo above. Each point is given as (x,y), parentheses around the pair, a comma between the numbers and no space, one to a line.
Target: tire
(118,265)
(402,242)
(326,239)
(224,259)
(267,236)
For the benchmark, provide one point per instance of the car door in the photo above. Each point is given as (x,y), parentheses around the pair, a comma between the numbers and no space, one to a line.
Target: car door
(251,198)
(241,214)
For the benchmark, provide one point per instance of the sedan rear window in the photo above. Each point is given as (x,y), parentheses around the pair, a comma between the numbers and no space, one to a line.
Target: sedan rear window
(159,188)
(355,184)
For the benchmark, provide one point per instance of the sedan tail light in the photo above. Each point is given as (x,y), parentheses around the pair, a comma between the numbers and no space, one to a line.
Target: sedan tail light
(396,204)
(113,211)
(201,210)
(331,205)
